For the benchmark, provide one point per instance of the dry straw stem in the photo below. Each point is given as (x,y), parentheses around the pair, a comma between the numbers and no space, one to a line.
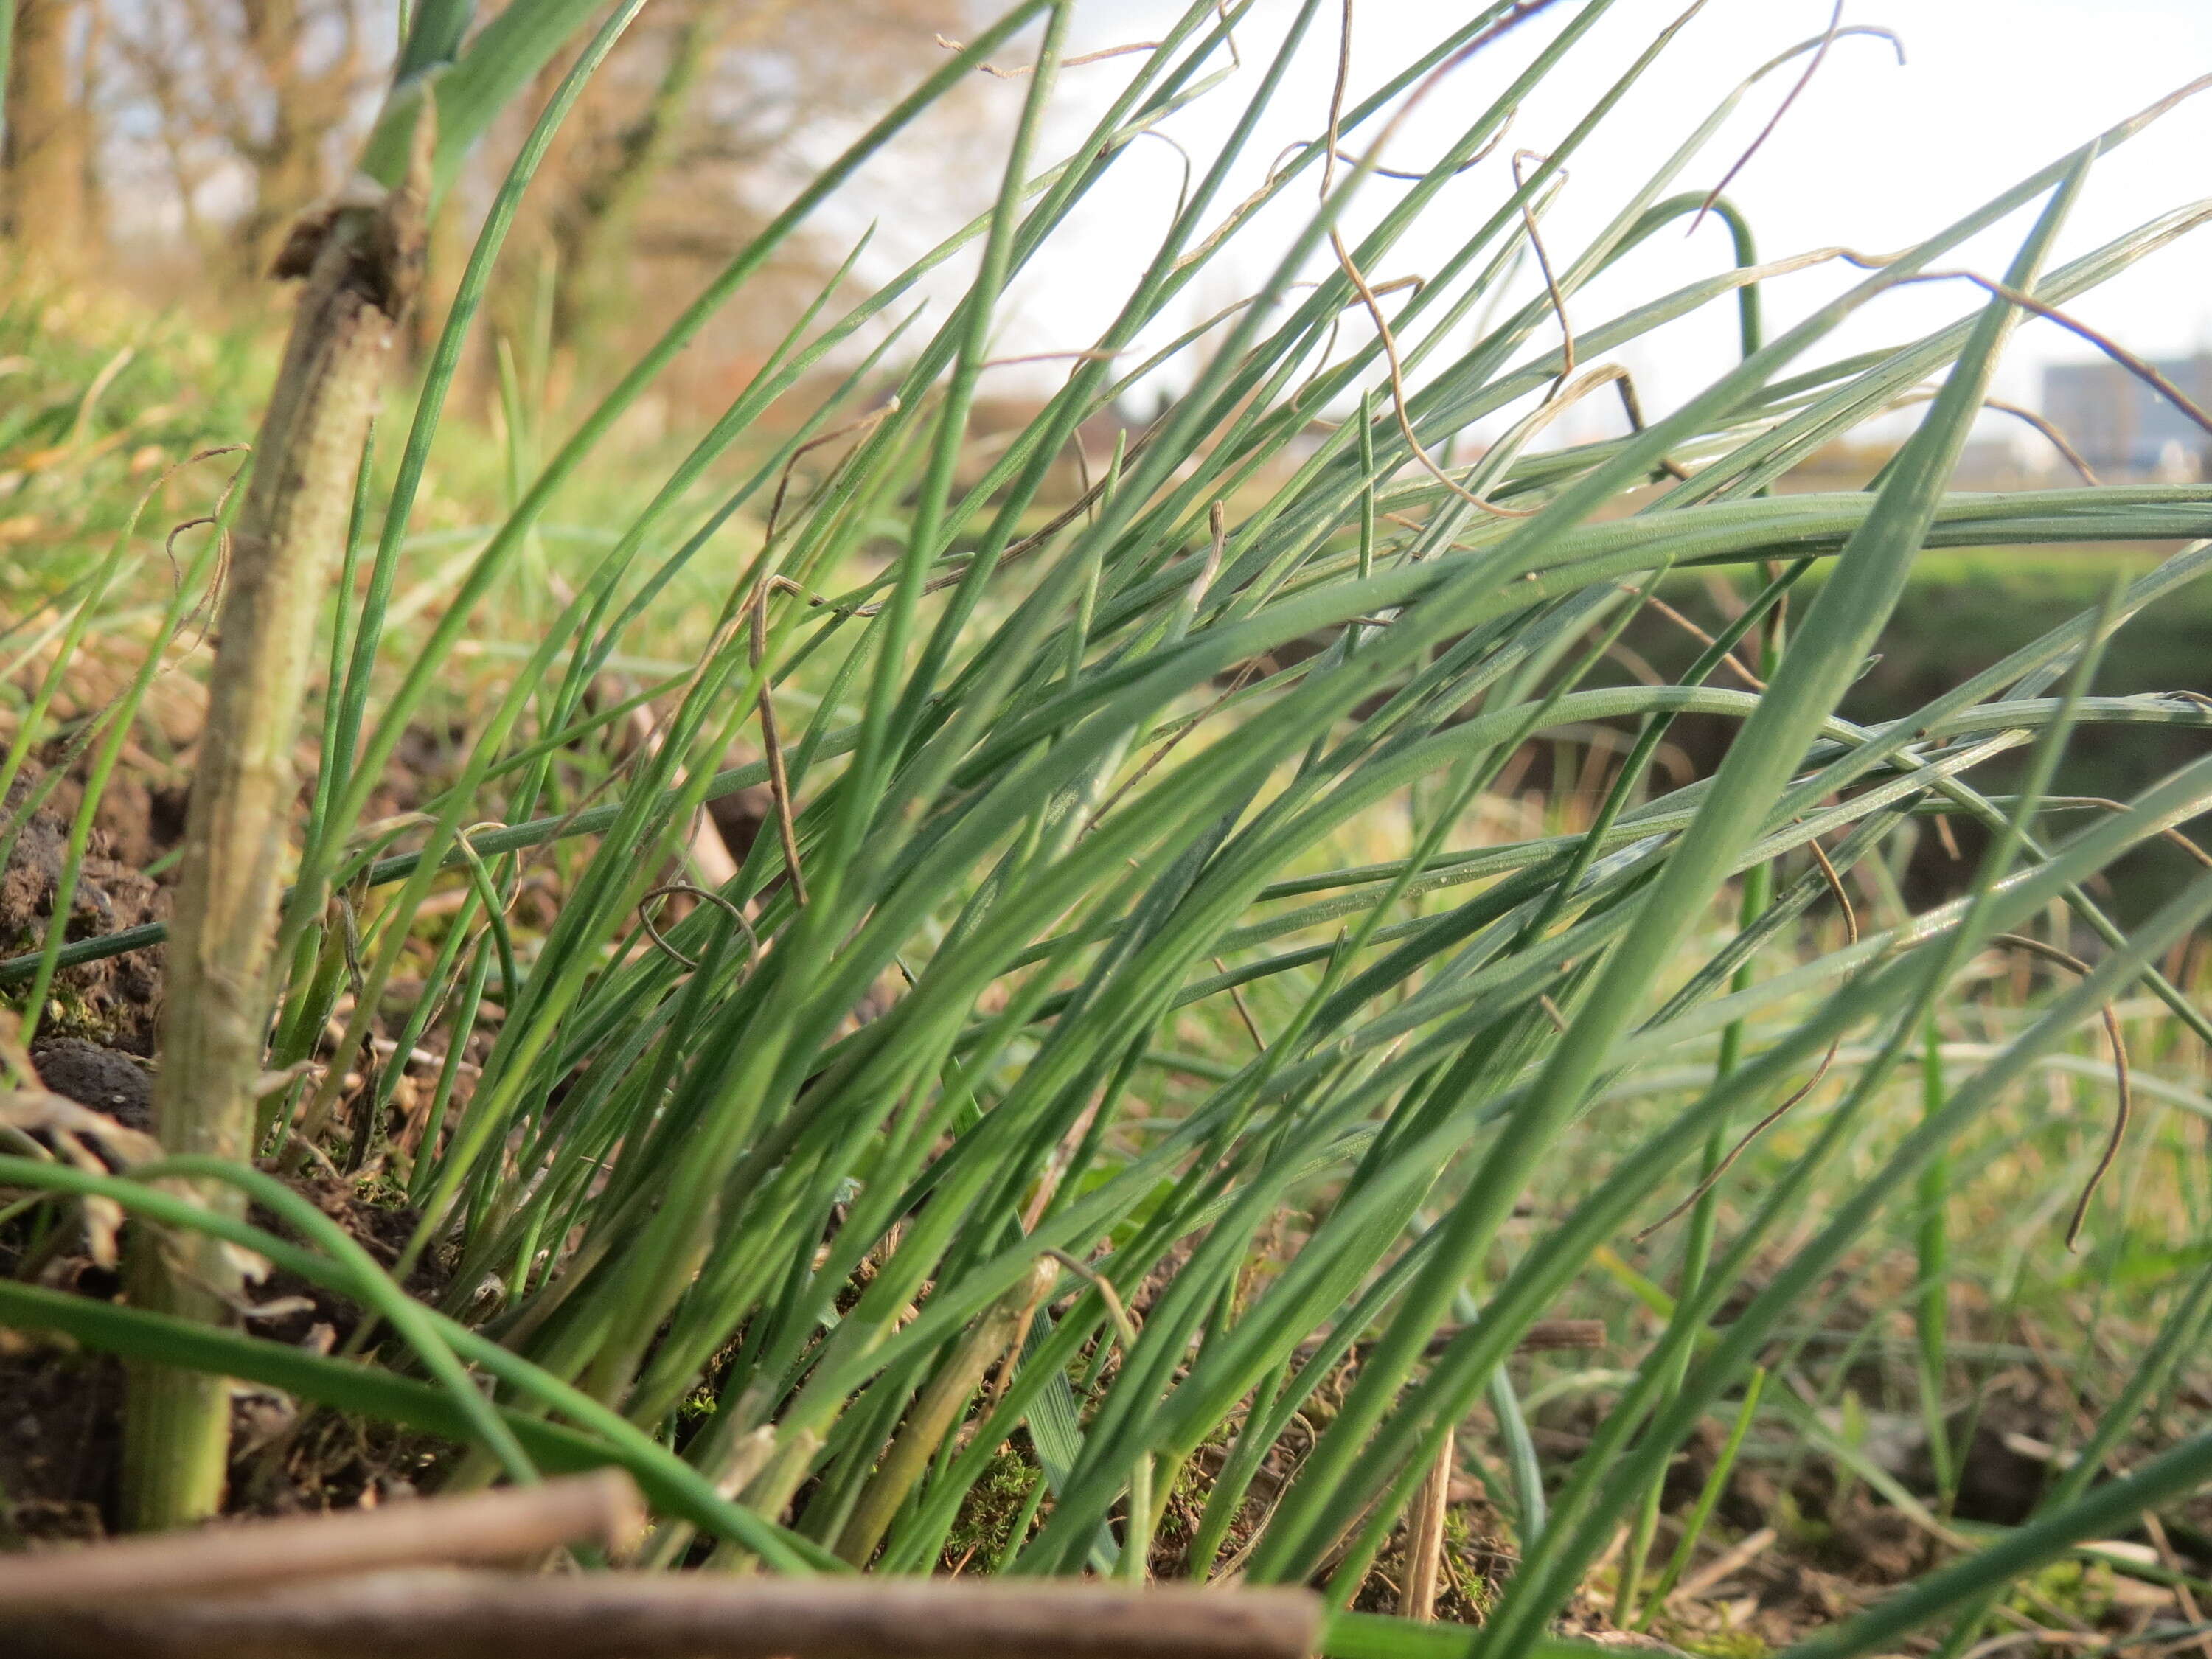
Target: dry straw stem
(705,896)
(1019,70)
(2123,1088)
(1424,1539)
(461,1615)
(2170,836)
(1544,266)
(1369,296)
(779,775)
(2020,412)
(362,259)
(1820,56)
(2141,368)
(512,1524)
(1728,659)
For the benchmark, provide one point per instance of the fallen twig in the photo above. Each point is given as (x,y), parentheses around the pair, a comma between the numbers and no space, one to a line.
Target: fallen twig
(1724,1566)
(511,1524)
(481,1615)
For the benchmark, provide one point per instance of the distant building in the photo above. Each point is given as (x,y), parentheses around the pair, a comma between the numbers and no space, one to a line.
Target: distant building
(2122,425)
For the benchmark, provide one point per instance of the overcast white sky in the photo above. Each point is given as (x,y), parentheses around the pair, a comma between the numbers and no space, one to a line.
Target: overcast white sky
(1872,155)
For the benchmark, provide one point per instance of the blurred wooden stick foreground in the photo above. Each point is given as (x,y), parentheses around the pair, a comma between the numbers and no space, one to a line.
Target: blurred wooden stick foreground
(512,1524)
(362,1583)
(444,1614)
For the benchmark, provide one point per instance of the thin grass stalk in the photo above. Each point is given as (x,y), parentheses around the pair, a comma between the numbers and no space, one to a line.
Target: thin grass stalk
(1697,1248)
(288,1046)
(29,726)
(1709,1498)
(1931,1246)
(7,64)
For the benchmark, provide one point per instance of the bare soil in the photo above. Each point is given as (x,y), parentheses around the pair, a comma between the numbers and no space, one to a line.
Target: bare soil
(115,1002)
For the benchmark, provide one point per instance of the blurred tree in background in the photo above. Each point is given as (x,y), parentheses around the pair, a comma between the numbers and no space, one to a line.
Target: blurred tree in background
(244,99)
(168,144)
(657,165)
(48,153)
